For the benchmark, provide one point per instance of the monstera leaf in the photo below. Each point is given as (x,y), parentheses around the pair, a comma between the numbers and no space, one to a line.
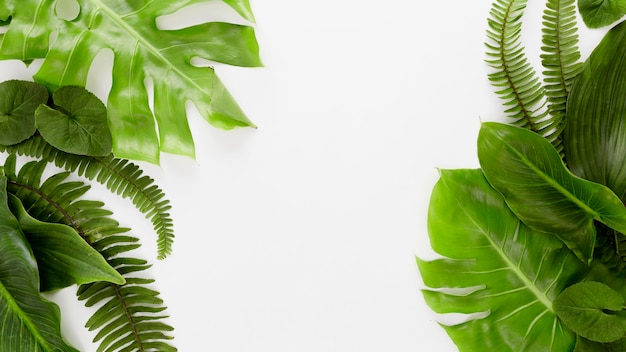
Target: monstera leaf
(495,266)
(29,322)
(141,51)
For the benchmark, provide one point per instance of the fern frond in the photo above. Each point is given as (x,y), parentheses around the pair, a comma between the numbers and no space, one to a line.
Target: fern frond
(515,80)
(119,175)
(130,317)
(561,61)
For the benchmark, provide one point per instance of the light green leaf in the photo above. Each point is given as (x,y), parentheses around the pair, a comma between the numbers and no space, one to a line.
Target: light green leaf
(494,265)
(591,309)
(77,124)
(242,7)
(600,13)
(527,170)
(141,51)
(594,143)
(63,257)
(29,322)
(18,101)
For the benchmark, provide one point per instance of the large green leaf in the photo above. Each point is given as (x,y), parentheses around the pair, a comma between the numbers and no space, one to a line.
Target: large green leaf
(594,138)
(600,13)
(494,265)
(63,257)
(29,322)
(141,51)
(542,192)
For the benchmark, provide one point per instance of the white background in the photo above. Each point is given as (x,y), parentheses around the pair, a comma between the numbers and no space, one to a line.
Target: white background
(302,235)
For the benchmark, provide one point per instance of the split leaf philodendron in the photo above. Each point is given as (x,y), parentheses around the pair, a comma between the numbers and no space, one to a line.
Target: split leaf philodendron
(534,242)
(141,51)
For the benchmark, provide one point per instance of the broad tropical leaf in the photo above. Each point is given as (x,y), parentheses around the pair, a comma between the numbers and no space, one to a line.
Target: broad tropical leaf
(595,134)
(542,192)
(141,51)
(600,13)
(29,322)
(494,265)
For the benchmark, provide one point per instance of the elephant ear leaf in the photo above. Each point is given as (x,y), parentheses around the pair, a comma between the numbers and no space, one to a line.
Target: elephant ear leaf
(601,13)
(141,51)
(593,137)
(526,169)
(496,267)
(29,322)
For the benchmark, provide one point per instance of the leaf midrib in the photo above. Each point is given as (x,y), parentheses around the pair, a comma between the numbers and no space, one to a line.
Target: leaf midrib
(145,43)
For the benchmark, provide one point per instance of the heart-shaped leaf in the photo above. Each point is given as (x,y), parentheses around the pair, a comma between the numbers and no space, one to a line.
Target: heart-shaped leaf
(78,125)
(63,257)
(600,13)
(29,322)
(591,309)
(18,101)
(526,169)
(496,266)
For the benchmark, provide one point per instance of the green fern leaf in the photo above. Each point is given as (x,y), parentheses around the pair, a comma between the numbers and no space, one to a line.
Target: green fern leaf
(561,61)
(515,80)
(131,316)
(119,176)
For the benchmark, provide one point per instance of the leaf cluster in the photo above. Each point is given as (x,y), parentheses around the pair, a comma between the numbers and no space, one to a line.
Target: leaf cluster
(534,241)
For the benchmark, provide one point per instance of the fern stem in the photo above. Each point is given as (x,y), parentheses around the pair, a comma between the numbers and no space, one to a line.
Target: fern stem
(129,316)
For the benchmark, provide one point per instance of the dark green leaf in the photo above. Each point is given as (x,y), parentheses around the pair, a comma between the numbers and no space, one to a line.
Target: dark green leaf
(78,125)
(63,257)
(600,13)
(593,139)
(496,266)
(584,345)
(592,310)
(18,101)
(541,191)
(29,322)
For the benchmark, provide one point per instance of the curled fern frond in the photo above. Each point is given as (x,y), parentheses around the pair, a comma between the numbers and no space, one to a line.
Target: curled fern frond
(130,316)
(561,61)
(515,80)
(119,175)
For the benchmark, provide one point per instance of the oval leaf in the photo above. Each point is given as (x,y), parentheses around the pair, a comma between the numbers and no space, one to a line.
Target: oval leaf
(78,125)
(590,309)
(600,13)
(494,265)
(19,101)
(29,322)
(542,192)
(594,136)
(63,257)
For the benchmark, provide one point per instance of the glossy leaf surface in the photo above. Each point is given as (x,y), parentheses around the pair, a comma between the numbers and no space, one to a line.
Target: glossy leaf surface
(595,134)
(18,101)
(63,257)
(77,124)
(496,266)
(141,51)
(542,192)
(29,322)
(601,13)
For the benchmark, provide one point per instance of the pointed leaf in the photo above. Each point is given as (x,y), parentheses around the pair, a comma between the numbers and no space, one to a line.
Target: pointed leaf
(595,148)
(495,266)
(589,309)
(29,322)
(141,51)
(600,13)
(542,192)
(77,124)
(18,101)
(64,257)
(242,7)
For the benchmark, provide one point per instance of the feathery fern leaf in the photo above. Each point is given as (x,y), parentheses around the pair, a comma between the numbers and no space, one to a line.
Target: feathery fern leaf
(130,317)
(515,80)
(561,61)
(119,175)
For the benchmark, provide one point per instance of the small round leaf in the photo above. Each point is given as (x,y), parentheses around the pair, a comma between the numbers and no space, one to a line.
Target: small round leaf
(592,310)
(77,124)
(18,102)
